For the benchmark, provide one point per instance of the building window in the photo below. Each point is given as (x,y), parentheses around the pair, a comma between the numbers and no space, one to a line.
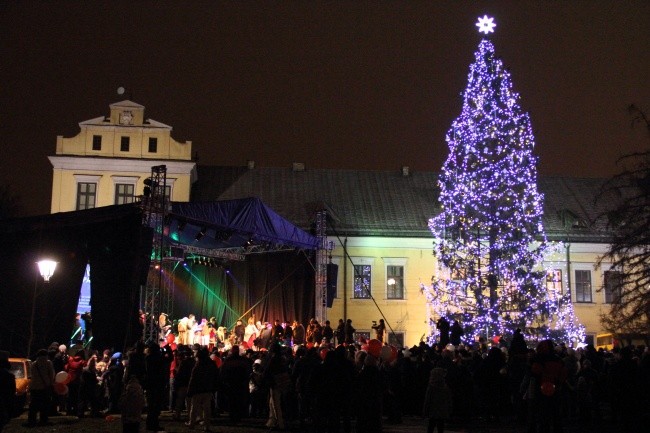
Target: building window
(396,339)
(554,281)
(153,145)
(168,193)
(362,281)
(86,195)
(124,193)
(124,144)
(394,282)
(97,142)
(613,282)
(583,286)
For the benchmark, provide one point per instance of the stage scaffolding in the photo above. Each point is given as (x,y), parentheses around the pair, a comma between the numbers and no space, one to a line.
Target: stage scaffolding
(321,266)
(157,296)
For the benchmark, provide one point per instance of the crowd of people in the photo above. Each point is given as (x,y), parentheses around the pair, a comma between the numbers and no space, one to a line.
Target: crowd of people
(334,382)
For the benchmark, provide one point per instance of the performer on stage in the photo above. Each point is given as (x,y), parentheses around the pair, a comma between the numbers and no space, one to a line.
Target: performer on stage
(251,332)
(191,323)
(182,331)
(239,332)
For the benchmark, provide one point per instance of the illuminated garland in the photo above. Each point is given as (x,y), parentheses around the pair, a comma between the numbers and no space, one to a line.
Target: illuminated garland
(489,237)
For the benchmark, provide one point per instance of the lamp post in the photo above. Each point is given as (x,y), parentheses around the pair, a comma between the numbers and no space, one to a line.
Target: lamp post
(46,268)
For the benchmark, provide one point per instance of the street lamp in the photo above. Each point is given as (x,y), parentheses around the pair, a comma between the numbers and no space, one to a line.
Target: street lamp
(46,268)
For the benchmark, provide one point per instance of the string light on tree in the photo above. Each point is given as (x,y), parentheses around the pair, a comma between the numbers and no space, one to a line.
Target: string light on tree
(490,240)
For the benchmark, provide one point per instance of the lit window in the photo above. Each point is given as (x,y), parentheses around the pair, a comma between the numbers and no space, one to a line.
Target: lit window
(395,282)
(613,282)
(124,193)
(362,281)
(583,286)
(86,195)
(396,339)
(554,281)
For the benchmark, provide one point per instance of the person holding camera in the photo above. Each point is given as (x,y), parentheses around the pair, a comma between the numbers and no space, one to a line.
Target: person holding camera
(380,329)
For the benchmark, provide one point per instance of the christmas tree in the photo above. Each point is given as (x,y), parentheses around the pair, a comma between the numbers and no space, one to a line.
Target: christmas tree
(489,237)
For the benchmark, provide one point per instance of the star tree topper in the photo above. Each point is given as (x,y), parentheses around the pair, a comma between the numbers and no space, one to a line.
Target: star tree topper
(486,25)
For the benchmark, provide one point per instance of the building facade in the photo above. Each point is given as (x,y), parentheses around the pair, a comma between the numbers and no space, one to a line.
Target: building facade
(377,227)
(108,161)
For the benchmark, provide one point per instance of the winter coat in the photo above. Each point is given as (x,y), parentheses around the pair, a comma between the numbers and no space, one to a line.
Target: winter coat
(42,376)
(132,401)
(438,399)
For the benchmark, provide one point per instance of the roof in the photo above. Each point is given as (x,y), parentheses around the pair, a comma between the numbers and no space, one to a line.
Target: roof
(386,203)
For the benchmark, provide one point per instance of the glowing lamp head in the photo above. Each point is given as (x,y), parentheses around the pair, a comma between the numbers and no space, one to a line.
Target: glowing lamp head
(391,281)
(46,268)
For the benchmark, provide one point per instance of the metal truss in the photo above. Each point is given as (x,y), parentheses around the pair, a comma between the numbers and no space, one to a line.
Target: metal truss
(321,267)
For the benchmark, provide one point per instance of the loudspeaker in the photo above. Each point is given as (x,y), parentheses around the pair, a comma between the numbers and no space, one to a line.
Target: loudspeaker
(332,276)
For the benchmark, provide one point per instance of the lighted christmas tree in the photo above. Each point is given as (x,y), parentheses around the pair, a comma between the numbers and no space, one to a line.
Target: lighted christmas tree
(489,237)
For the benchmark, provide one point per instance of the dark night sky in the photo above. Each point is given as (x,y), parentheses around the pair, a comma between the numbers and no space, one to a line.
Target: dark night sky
(347,84)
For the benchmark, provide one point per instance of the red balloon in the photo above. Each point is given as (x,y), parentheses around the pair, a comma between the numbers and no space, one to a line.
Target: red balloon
(374,347)
(310,345)
(323,353)
(170,338)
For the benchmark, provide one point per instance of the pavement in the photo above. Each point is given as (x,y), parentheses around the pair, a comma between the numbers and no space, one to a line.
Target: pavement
(112,424)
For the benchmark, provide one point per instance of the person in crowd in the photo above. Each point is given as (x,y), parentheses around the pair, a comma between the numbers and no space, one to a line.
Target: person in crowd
(184,365)
(7,390)
(88,388)
(380,329)
(298,333)
(235,374)
(276,374)
(200,389)
(113,382)
(456,333)
(329,382)
(40,386)
(340,332)
(154,385)
(74,368)
(550,374)
(304,365)
(349,332)
(131,404)
(443,328)
(259,392)
(328,333)
(368,391)
(438,401)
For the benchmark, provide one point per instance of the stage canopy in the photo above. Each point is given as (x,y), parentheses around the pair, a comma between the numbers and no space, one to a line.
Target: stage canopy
(238,226)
